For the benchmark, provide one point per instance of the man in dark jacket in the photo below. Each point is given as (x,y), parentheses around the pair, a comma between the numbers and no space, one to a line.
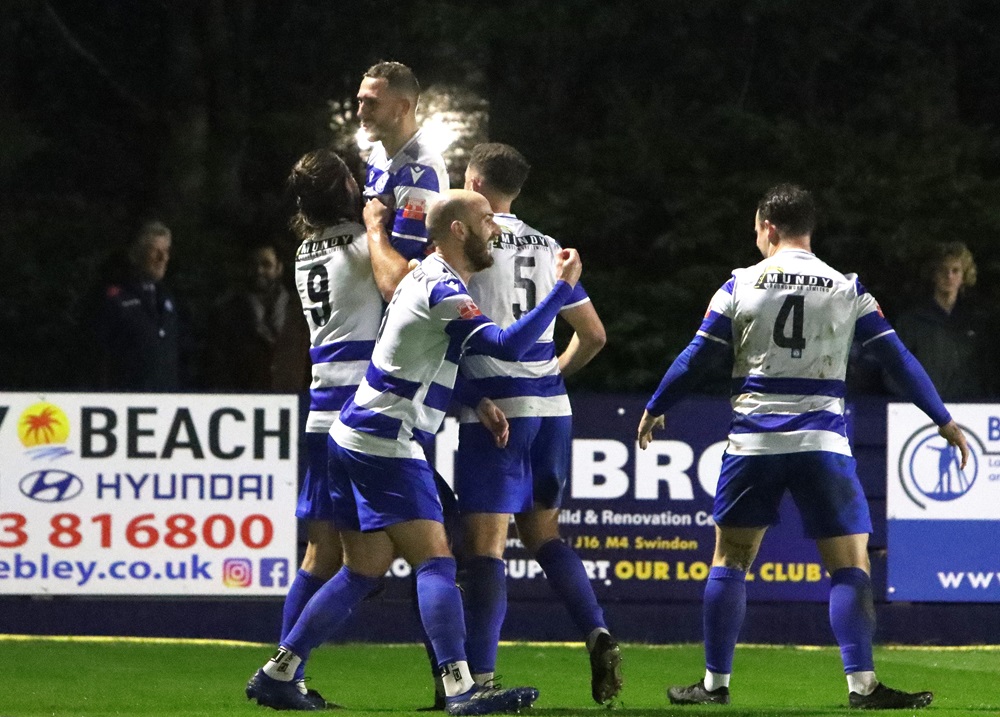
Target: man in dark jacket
(136,324)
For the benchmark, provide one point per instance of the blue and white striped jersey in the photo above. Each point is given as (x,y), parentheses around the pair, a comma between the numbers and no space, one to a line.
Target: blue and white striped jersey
(408,182)
(402,400)
(790,320)
(523,272)
(343,308)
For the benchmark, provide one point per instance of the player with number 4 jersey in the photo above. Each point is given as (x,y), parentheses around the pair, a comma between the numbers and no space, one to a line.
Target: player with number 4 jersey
(788,323)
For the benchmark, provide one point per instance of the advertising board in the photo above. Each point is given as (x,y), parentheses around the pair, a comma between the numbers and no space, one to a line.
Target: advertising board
(147,494)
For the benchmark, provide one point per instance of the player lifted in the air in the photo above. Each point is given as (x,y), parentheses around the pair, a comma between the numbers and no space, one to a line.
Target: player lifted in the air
(403,171)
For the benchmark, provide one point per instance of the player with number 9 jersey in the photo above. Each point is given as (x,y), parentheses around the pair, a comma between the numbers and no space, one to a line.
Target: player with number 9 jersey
(343,308)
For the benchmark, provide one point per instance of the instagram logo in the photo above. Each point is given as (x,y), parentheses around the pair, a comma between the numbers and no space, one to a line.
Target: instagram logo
(237,573)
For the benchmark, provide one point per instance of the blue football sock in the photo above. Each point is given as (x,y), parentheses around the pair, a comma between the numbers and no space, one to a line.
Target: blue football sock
(328,609)
(428,647)
(725,607)
(486,606)
(852,617)
(568,578)
(441,609)
(303,588)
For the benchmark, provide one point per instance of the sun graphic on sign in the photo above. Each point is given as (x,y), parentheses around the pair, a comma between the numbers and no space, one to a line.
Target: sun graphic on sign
(43,424)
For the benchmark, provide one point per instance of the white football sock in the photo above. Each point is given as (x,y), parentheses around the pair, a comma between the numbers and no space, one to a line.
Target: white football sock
(283,665)
(457,678)
(861,682)
(482,678)
(715,680)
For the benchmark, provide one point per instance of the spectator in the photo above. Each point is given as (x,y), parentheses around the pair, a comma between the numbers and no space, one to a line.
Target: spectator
(260,341)
(136,323)
(943,331)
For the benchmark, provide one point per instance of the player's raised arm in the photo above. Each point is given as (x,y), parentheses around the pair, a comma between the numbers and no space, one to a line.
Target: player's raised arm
(513,342)
(569,266)
(388,265)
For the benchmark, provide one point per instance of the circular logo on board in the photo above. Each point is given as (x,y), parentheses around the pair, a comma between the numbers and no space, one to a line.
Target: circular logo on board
(930,469)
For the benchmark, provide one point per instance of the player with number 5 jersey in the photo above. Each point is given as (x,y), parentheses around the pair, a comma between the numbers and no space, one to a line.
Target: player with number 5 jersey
(527,477)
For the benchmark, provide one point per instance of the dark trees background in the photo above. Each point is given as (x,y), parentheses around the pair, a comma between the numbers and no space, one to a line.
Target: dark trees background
(652,127)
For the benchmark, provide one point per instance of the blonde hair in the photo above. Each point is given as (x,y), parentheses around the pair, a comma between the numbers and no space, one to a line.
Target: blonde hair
(947,251)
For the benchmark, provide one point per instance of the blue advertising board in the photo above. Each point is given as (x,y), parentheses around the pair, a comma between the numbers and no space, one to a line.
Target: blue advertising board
(642,520)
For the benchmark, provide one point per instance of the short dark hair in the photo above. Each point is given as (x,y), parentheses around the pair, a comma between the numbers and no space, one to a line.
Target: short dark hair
(398,76)
(503,168)
(319,182)
(790,208)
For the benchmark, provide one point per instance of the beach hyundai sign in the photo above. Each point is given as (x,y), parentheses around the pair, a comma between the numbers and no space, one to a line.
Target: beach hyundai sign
(942,520)
(147,494)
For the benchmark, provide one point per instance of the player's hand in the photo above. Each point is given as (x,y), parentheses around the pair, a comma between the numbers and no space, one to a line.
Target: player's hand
(495,422)
(376,213)
(647,425)
(412,264)
(568,266)
(953,434)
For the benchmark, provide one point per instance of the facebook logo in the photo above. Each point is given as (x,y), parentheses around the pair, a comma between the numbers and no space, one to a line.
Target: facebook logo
(273,572)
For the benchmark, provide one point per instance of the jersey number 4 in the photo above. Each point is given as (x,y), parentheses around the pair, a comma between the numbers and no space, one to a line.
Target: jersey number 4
(795,306)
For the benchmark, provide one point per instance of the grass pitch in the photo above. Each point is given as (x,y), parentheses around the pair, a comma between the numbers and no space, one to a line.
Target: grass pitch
(100,677)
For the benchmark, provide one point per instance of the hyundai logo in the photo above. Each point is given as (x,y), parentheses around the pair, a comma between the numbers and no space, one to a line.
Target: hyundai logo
(51,486)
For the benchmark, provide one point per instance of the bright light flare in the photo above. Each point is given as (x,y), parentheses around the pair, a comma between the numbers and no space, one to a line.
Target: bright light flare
(441,129)
(361,138)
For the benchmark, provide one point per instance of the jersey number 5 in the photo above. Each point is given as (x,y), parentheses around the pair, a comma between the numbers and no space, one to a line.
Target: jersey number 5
(523,282)
(794,305)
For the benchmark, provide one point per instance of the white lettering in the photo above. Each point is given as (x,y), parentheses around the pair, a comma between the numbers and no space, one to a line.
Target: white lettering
(651,469)
(445,446)
(950,580)
(599,458)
